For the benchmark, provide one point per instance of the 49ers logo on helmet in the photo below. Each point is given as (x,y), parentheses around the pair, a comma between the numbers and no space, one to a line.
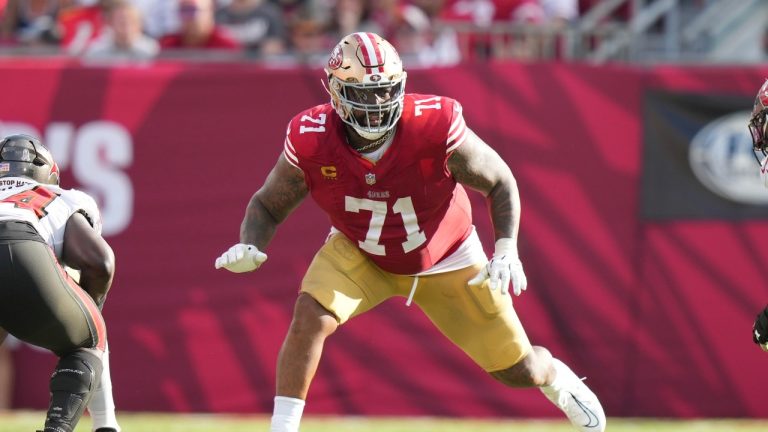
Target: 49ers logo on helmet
(336,58)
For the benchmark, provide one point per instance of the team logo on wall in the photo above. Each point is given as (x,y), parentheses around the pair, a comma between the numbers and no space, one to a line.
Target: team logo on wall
(721,158)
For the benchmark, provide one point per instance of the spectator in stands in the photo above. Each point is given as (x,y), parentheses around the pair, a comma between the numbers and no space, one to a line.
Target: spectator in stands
(523,42)
(160,17)
(31,22)
(349,16)
(309,41)
(413,32)
(470,18)
(560,12)
(444,40)
(293,8)
(81,25)
(256,24)
(122,38)
(198,29)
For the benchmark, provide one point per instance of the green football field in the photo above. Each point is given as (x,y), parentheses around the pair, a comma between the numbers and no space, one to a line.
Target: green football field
(28,422)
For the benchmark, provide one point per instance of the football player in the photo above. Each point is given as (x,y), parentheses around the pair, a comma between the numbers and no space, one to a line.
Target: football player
(44,229)
(390,169)
(758,128)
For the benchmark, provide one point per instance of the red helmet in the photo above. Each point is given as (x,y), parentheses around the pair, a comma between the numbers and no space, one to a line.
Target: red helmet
(757,124)
(25,156)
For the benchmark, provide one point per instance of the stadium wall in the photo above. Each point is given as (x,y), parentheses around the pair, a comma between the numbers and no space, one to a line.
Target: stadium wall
(640,277)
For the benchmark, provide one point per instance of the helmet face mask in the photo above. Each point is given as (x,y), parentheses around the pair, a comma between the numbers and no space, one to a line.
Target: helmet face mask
(366,82)
(375,109)
(26,156)
(758,124)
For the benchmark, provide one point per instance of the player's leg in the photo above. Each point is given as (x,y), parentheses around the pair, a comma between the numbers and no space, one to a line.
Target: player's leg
(102,404)
(340,283)
(6,373)
(298,360)
(57,315)
(492,335)
(73,381)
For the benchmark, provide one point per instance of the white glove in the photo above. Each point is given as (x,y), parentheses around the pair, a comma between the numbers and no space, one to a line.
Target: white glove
(505,266)
(241,258)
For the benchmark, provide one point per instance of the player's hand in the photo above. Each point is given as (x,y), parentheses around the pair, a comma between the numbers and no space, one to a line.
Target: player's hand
(503,268)
(241,258)
(760,329)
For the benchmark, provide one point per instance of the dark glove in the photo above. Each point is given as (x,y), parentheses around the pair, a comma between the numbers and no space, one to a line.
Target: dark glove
(760,329)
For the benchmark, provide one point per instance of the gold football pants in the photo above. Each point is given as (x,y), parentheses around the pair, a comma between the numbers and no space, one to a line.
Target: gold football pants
(480,321)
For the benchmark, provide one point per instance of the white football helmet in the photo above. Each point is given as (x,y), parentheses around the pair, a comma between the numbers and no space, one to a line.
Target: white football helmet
(366,81)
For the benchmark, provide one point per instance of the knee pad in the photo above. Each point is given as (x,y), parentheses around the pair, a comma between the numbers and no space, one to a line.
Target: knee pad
(73,381)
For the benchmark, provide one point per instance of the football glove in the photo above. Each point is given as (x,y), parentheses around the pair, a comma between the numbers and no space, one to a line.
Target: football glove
(760,329)
(241,258)
(503,268)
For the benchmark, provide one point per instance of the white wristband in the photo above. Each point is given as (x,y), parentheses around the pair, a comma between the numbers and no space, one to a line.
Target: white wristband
(505,246)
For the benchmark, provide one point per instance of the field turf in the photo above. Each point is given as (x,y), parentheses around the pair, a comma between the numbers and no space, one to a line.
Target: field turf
(27,421)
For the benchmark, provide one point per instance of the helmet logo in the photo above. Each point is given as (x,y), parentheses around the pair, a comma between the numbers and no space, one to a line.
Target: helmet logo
(336,58)
(376,78)
(5,166)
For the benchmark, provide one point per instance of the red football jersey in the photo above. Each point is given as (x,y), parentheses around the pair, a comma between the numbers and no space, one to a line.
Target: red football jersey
(406,211)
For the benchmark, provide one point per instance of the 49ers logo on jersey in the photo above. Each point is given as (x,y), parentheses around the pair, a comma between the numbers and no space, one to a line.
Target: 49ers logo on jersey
(336,58)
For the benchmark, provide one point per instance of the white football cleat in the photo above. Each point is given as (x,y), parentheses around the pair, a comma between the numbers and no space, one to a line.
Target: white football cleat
(575,399)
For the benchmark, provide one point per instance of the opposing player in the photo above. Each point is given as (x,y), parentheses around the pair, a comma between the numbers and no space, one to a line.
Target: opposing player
(758,128)
(389,169)
(42,229)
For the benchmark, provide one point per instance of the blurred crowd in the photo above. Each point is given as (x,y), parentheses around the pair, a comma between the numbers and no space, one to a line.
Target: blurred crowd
(303,31)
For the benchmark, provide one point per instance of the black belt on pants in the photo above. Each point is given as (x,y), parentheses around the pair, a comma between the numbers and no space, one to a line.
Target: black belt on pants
(18,230)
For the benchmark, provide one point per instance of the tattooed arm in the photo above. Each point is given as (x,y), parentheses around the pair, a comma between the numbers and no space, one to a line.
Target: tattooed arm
(281,193)
(477,166)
